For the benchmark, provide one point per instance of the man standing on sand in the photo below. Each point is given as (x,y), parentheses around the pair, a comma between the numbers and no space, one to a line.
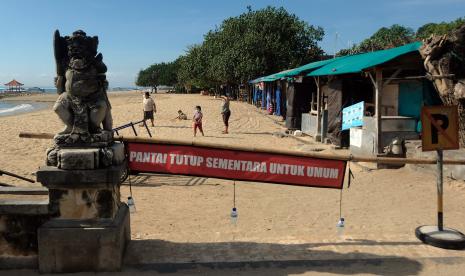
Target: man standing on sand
(149,107)
(226,113)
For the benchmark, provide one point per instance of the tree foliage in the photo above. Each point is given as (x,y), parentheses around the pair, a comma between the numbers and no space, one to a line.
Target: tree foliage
(398,35)
(158,74)
(193,68)
(252,44)
(442,28)
(384,38)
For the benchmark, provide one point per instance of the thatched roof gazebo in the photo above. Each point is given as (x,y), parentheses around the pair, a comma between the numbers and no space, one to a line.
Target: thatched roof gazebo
(13,86)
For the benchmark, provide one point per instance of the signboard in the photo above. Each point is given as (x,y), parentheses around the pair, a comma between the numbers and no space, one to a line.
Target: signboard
(439,128)
(356,137)
(236,165)
(352,116)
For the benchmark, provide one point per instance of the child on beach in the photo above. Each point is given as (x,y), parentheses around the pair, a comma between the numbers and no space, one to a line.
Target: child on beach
(197,120)
(181,115)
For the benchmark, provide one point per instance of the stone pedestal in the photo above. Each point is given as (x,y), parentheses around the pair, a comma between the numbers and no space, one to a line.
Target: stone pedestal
(72,245)
(82,194)
(90,226)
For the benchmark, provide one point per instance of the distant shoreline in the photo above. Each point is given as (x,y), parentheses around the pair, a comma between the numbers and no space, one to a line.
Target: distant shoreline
(19,94)
(12,104)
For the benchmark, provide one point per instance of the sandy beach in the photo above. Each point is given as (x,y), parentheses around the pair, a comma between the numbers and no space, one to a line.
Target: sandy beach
(183,219)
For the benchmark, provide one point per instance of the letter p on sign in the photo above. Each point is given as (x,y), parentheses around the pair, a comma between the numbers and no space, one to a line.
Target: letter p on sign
(439,128)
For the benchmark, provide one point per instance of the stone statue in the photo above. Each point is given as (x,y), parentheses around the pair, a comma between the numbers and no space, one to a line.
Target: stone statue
(84,168)
(81,83)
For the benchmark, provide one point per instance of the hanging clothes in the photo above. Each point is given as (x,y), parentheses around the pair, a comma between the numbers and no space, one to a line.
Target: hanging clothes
(257,95)
(268,99)
(253,94)
(264,96)
(278,102)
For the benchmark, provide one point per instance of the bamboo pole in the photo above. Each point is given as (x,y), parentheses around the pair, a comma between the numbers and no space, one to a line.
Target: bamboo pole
(318,136)
(379,117)
(368,159)
(16,176)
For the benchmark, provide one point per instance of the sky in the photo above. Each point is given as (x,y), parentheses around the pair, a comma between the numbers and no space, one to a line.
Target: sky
(135,33)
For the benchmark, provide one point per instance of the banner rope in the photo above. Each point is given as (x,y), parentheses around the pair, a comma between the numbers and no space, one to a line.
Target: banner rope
(340,204)
(130,184)
(234,194)
(349,180)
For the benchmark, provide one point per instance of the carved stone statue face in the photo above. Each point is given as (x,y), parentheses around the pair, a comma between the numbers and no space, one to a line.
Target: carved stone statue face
(82,46)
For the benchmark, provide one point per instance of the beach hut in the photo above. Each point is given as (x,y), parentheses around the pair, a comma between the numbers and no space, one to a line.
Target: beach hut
(287,93)
(302,96)
(270,93)
(392,84)
(13,86)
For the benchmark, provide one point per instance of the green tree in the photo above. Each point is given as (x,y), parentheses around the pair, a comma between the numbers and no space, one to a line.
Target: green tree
(192,71)
(158,74)
(252,44)
(442,28)
(384,38)
(398,35)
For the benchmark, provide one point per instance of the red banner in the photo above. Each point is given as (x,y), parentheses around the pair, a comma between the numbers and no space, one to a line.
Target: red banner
(236,165)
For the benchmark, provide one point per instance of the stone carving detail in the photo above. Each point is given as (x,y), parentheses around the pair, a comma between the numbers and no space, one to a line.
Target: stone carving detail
(81,83)
(82,105)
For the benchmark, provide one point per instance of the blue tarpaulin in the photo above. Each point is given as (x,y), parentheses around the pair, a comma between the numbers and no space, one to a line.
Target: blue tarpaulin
(263,97)
(268,98)
(278,102)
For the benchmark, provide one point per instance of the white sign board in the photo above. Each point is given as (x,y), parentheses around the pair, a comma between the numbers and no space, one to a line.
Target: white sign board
(356,137)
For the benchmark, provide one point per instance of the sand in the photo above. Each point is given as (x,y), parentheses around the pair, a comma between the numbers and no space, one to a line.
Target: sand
(183,219)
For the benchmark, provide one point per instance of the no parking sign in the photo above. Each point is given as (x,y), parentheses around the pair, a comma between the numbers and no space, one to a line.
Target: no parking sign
(439,128)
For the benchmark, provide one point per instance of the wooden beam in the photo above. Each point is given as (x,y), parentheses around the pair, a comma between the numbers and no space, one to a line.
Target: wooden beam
(392,77)
(379,92)
(23,191)
(197,143)
(16,176)
(318,109)
(372,79)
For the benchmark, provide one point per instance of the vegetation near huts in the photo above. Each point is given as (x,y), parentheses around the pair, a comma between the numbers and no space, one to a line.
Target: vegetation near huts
(252,44)
(158,74)
(398,35)
(261,42)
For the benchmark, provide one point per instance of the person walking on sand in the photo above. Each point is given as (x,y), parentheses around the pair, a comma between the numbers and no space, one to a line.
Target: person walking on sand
(226,113)
(197,120)
(149,107)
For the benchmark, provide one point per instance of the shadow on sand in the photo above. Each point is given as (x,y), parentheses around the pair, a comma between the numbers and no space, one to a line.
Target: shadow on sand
(236,258)
(173,127)
(157,180)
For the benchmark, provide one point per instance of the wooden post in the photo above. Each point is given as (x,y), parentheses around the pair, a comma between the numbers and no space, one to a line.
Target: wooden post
(318,110)
(379,91)
(440,190)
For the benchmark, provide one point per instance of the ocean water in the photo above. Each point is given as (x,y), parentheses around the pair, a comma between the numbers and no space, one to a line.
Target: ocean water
(9,108)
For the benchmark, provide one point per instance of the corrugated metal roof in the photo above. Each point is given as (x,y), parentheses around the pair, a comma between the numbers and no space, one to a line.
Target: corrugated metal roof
(360,62)
(293,72)
(343,65)
(307,67)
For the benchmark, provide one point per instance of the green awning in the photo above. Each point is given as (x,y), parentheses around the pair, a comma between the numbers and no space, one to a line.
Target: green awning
(344,64)
(257,80)
(276,76)
(307,67)
(292,72)
(360,62)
